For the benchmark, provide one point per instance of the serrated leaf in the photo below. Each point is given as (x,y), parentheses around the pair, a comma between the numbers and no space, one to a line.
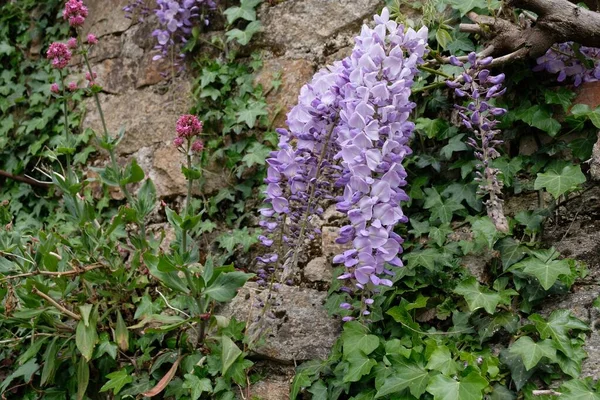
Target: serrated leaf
(478,297)
(559,183)
(531,352)
(117,380)
(467,388)
(405,375)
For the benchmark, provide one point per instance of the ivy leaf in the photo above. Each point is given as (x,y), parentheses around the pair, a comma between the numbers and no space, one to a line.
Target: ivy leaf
(478,297)
(484,231)
(578,390)
(511,251)
(464,6)
(428,258)
(487,326)
(519,374)
(196,385)
(531,352)
(405,375)
(360,365)
(250,114)
(546,271)
(455,144)
(468,388)
(257,154)
(356,338)
(244,36)
(559,183)
(557,328)
(117,380)
(561,96)
(531,220)
(231,240)
(235,13)
(460,192)
(441,360)
(440,209)
(318,390)
(541,117)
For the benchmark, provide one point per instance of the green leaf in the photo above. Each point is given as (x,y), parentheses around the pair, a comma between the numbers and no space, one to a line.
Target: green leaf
(440,209)
(466,192)
(225,287)
(196,385)
(169,279)
(121,333)
(455,144)
(518,373)
(467,388)
(487,326)
(318,391)
(50,364)
(441,360)
(541,117)
(428,258)
(478,297)
(561,96)
(578,390)
(235,13)
(117,380)
(557,327)
(230,240)
(546,271)
(133,173)
(405,375)
(559,183)
(6,48)
(229,353)
(257,154)
(244,37)
(86,338)
(83,377)
(356,338)
(25,371)
(511,251)
(359,366)
(531,352)
(485,231)
(443,37)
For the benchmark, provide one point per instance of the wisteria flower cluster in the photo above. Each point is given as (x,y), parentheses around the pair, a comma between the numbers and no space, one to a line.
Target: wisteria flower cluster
(188,127)
(569,60)
(348,135)
(479,87)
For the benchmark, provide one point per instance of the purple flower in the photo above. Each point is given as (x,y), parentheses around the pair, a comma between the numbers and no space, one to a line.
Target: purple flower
(59,54)
(75,12)
(580,63)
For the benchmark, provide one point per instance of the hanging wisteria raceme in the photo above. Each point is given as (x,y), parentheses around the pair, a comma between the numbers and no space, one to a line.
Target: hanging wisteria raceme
(348,134)
(478,86)
(373,140)
(570,60)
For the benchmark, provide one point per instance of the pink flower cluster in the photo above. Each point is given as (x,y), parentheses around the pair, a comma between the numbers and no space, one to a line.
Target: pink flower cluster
(59,54)
(187,127)
(76,12)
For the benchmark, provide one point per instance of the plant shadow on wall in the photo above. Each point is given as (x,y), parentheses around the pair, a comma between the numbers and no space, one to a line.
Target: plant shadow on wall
(93,305)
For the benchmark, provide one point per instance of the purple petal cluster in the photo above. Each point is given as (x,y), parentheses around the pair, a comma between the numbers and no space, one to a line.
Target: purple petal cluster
(176,18)
(479,87)
(568,60)
(373,137)
(348,136)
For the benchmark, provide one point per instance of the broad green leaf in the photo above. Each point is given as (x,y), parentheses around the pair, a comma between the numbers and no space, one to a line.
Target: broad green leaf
(318,390)
(117,380)
(467,388)
(546,272)
(531,352)
(405,375)
(356,338)
(243,37)
(229,353)
(455,144)
(441,360)
(511,251)
(559,183)
(428,258)
(478,297)
(85,339)
(443,37)
(359,366)
(25,371)
(83,377)
(197,386)
(541,117)
(578,390)
(440,209)
(235,13)
(225,287)
(467,192)
(488,325)
(484,231)
(561,96)
(557,328)
(518,373)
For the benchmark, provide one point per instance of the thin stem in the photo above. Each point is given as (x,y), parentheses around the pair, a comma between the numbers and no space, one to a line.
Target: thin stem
(434,71)
(427,87)
(54,273)
(67,132)
(190,183)
(55,304)
(313,189)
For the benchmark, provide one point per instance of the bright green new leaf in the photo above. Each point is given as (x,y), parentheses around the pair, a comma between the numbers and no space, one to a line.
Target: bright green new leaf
(467,388)
(531,352)
(559,183)
(243,37)
(235,13)
(229,353)
(405,375)
(118,379)
(356,338)
(443,37)
(478,297)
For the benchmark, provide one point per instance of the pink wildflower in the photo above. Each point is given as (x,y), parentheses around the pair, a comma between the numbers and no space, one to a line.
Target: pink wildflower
(59,54)
(72,86)
(178,142)
(54,88)
(72,43)
(197,146)
(75,12)
(92,39)
(188,126)
(90,77)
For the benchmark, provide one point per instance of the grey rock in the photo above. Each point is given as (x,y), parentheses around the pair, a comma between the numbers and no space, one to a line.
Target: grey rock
(318,270)
(328,245)
(295,328)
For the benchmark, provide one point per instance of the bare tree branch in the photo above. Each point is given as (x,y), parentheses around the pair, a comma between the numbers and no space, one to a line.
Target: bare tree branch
(24,179)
